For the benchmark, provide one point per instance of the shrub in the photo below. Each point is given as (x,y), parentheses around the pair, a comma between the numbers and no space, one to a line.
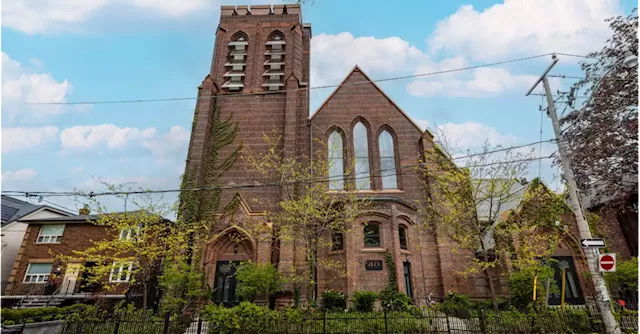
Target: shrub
(43,313)
(333,300)
(257,280)
(625,278)
(247,317)
(455,301)
(363,300)
(521,285)
(395,301)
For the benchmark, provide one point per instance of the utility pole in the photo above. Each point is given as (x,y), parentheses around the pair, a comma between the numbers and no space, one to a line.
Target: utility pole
(602,295)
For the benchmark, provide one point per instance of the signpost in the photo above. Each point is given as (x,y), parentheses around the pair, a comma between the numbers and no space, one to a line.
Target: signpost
(592,243)
(607,263)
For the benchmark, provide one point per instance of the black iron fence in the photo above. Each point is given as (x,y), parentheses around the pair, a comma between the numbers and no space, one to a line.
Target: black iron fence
(571,320)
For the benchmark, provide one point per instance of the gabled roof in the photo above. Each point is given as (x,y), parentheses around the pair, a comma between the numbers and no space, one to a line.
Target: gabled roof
(357,68)
(13,209)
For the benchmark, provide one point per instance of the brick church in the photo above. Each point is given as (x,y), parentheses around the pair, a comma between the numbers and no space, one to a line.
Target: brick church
(260,65)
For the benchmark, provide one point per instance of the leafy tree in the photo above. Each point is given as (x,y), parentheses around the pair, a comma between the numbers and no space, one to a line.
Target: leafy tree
(625,279)
(308,213)
(136,242)
(257,280)
(471,207)
(602,135)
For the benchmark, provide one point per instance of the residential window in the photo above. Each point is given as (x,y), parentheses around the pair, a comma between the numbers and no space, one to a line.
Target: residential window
(372,235)
(128,233)
(38,272)
(50,234)
(361,156)
(402,231)
(337,241)
(120,272)
(336,162)
(387,161)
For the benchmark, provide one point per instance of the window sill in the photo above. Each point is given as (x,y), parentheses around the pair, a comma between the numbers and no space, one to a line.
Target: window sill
(337,252)
(117,282)
(405,251)
(47,243)
(34,282)
(381,191)
(373,250)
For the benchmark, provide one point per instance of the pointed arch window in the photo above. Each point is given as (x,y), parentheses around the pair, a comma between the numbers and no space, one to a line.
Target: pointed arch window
(336,161)
(274,63)
(387,161)
(361,156)
(236,62)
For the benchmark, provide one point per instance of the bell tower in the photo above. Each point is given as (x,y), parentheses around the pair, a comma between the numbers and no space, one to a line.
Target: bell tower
(258,78)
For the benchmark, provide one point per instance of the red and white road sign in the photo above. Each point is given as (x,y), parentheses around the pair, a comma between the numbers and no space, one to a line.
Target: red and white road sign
(607,263)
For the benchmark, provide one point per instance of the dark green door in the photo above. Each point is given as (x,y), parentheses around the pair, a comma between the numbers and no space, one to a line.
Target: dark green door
(225,284)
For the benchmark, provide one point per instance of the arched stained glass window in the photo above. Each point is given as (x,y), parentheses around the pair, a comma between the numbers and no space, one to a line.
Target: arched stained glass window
(361,156)
(387,161)
(336,161)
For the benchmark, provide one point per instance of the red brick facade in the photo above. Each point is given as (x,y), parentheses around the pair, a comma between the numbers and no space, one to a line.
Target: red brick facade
(434,261)
(77,235)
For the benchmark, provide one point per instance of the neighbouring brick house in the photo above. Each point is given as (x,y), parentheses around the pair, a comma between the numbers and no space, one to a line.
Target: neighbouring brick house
(32,280)
(259,77)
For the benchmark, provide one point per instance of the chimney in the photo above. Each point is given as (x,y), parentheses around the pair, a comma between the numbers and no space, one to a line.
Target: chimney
(84,210)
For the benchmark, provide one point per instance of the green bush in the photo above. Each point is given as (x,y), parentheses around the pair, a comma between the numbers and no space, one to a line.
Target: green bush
(43,313)
(625,278)
(521,285)
(333,301)
(257,281)
(395,301)
(363,300)
(247,317)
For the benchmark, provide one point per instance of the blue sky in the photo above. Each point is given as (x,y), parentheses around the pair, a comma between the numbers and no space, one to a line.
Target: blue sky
(63,51)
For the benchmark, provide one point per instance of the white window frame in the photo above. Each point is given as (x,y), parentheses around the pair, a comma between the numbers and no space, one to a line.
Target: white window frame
(117,268)
(49,239)
(45,277)
(127,233)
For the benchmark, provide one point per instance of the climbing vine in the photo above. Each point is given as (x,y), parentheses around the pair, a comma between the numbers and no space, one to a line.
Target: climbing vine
(391,267)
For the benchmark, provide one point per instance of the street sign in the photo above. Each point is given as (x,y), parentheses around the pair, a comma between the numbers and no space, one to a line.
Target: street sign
(588,243)
(607,263)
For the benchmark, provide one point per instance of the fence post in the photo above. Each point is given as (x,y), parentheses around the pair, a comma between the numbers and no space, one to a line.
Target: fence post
(386,323)
(166,323)
(199,324)
(324,322)
(483,321)
(117,326)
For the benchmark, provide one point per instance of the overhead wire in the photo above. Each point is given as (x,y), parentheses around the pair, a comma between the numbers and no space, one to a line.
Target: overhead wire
(298,89)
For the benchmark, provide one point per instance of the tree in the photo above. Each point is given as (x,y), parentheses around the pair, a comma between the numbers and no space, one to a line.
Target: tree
(257,280)
(308,212)
(136,242)
(602,135)
(470,205)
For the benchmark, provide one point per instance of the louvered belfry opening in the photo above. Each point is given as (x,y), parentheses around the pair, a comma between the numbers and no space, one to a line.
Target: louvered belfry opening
(236,62)
(274,62)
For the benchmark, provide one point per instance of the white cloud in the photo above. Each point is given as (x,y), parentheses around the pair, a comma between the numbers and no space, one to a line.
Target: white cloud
(524,27)
(334,55)
(46,17)
(76,170)
(170,145)
(21,85)
(482,82)
(19,175)
(471,135)
(92,136)
(24,138)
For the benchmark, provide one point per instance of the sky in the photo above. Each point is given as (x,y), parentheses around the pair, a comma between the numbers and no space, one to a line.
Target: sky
(103,50)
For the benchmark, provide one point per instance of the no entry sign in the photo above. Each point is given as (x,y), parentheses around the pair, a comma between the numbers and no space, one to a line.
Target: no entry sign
(607,262)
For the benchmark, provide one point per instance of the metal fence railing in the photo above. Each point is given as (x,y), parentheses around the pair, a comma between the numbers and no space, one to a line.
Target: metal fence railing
(571,320)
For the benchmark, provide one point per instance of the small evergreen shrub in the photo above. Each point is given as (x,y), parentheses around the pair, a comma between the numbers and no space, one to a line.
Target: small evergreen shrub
(333,301)
(363,300)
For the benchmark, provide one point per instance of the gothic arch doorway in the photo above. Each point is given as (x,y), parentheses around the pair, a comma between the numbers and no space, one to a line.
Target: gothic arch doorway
(224,253)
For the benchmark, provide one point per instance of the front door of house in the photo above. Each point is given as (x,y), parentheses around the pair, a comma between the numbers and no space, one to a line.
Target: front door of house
(70,278)
(224,291)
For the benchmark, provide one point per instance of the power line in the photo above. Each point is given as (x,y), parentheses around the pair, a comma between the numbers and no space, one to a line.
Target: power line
(302,88)
(582,78)
(243,186)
